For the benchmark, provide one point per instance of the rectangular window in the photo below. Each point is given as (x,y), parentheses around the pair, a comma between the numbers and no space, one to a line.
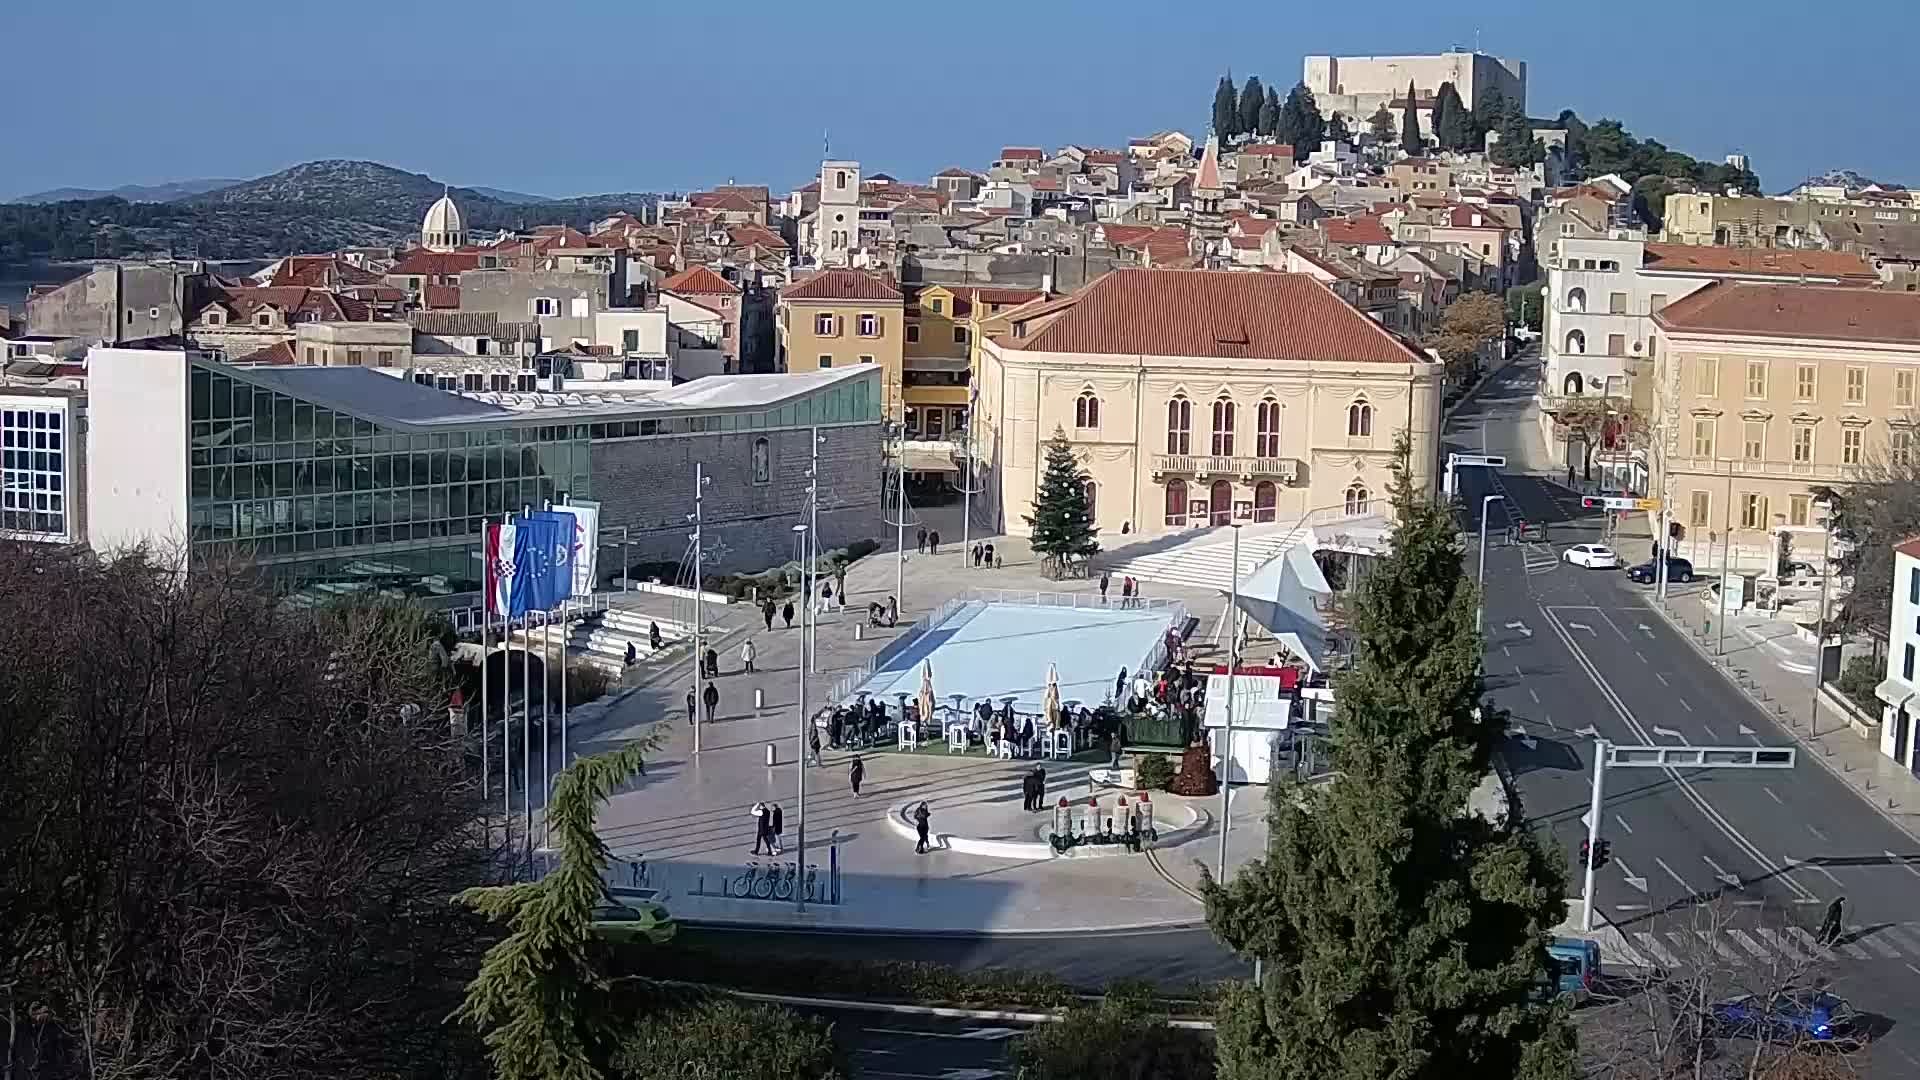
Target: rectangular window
(1757,379)
(1906,664)
(1804,383)
(1753,511)
(1900,447)
(1903,388)
(582,307)
(1797,509)
(1617,303)
(939,305)
(1856,385)
(866,359)
(1656,302)
(869,324)
(630,341)
(1616,344)
(356,357)
(1703,438)
(913,335)
(545,305)
(1706,376)
(959,335)
(1913,587)
(823,324)
(826,361)
(1699,509)
(1756,440)
(1850,441)
(1802,443)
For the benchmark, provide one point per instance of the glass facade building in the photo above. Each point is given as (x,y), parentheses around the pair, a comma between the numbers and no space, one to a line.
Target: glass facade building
(34,464)
(337,498)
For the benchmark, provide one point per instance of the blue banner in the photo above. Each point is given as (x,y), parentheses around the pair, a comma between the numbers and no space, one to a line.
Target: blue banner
(555,573)
(530,544)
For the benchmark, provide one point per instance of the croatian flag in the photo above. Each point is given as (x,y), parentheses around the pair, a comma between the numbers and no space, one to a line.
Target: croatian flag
(499,568)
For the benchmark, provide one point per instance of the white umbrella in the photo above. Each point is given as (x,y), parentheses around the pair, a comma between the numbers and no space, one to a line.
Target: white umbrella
(1052,699)
(926,693)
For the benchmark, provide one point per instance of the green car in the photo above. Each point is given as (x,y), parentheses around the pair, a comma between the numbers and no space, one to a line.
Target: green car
(629,916)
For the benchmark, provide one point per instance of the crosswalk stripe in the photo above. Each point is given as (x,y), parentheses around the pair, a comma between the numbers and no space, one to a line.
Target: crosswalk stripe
(1651,945)
(1806,942)
(1873,940)
(1902,937)
(1780,943)
(1853,950)
(1713,942)
(1740,938)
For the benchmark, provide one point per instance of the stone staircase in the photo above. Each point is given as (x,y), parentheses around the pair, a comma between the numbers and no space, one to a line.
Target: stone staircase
(1203,561)
(601,638)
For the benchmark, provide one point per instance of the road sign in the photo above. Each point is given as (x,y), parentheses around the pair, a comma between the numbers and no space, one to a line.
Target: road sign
(1700,757)
(1492,461)
(1618,502)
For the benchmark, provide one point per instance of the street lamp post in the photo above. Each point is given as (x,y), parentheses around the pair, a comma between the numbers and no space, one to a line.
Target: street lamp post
(1820,641)
(1480,601)
(699,606)
(1226,739)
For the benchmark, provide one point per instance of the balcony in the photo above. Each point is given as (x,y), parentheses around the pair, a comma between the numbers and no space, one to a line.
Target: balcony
(1248,469)
(1819,471)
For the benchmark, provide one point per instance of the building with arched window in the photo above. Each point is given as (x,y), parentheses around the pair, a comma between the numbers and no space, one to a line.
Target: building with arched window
(1220,397)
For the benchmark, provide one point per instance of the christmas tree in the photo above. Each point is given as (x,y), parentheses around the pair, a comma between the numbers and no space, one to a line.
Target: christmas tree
(1062,518)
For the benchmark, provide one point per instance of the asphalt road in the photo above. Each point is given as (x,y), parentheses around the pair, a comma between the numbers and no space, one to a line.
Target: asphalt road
(1731,867)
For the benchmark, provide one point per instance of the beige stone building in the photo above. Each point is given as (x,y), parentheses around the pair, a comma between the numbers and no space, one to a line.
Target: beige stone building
(1763,392)
(1199,398)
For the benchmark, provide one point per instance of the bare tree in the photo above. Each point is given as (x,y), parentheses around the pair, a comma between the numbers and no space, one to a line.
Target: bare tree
(230,830)
(1661,1024)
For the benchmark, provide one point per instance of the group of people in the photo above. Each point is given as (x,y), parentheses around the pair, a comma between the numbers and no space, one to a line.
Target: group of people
(767,612)
(929,542)
(855,725)
(1129,589)
(1176,691)
(1033,789)
(769,825)
(983,555)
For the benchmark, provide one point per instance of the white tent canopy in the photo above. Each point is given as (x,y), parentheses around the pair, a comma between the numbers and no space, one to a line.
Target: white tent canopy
(1283,595)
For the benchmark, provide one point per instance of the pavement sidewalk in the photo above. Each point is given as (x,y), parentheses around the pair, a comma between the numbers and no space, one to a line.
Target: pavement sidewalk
(1774,670)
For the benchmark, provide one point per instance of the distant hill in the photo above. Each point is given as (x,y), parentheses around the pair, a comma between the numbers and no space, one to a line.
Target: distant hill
(312,207)
(178,189)
(509,196)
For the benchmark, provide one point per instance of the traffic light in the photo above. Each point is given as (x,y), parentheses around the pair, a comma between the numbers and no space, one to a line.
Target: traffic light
(1601,856)
(1592,503)
(1586,853)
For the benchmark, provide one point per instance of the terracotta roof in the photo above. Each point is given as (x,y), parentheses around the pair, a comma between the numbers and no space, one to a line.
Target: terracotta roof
(1105,157)
(278,354)
(296,303)
(746,234)
(1284,150)
(955,171)
(1355,231)
(472,324)
(723,200)
(1245,243)
(843,285)
(759,193)
(1208,176)
(1462,217)
(699,281)
(1785,262)
(321,272)
(423,263)
(1826,312)
(1044,183)
(1021,153)
(1217,314)
(441,297)
(1909,548)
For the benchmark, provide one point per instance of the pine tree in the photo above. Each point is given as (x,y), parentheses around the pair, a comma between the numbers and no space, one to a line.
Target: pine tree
(1449,118)
(1301,125)
(1226,108)
(1252,97)
(1062,518)
(1401,935)
(1411,141)
(1337,130)
(543,999)
(1485,117)
(1270,113)
(1517,146)
(1381,126)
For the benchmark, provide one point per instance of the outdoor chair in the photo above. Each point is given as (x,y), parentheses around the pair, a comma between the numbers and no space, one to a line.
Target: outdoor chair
(1004,750)
(956,738)
(1059,742)
(909,735)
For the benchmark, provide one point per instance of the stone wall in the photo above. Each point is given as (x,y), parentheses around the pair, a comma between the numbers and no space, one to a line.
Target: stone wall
(1068,273)
(646,485)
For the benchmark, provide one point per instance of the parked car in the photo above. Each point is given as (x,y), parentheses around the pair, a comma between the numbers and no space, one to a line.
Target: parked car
(1593,556)
(1646,573)
(1792,1016)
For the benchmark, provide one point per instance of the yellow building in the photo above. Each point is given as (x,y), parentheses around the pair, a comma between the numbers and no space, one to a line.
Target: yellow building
(945,324)
(1198,398)
(1763,392)
(839,318)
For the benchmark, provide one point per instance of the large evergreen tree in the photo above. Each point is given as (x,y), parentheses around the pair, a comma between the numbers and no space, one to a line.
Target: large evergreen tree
(1301,125)
(1226,108)
(1252,97)
(1449,119)
(1380,124)
(1337,129)
(1062,518)
(1485,117)
(1411,141)
(1402,936)
(1517,146)
(1270,113)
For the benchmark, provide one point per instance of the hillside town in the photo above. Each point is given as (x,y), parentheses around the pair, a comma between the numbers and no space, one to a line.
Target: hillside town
(1200,383)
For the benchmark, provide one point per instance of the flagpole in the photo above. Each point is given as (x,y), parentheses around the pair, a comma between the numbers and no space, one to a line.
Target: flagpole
(526,718)
(486,625)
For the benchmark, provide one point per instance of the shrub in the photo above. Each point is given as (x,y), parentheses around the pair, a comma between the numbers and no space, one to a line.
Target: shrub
(585,682)
(1857,680)
(1117,1038)
(1153,772)
(860,549)
(724,1039)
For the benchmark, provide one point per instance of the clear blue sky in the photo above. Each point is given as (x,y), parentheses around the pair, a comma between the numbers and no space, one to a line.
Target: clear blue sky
(578,96)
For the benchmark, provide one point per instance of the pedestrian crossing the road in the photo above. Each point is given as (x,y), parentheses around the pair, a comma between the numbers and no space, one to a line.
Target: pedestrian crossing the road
(1784,945)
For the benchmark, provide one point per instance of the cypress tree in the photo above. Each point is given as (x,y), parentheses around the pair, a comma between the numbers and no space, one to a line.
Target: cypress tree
(1485,117)
(1401,936)
(1411,141)
(1226,108)
(1449,118)
(1517,146)
(1301,125)
(1270,113)
(1062,518)
(1381,125)
(1252,97)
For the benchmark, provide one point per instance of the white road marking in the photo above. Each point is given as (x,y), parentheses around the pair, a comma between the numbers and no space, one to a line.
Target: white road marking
(1651,945)
(1916,971)
(1899,936)
(1802,864)
(1853,950)
(1711,734)
(1678,880)
(1804,941)
(1780,942)
(1901,860)
(1683,704)
(1879,944)
(1741,939)
(1517,671)
(1662,678)
(1712,941)
(1630,907)
(1731,881)
(1534,694)
(1622,822)
(1504,651)
(1772,796)
(1641,658)
(1822,837)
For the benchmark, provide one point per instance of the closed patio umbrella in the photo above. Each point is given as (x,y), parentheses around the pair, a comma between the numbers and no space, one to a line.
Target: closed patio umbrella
(1051,702)
(926,695)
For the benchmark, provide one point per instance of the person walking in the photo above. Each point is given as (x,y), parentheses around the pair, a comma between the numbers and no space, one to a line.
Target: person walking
(712,660)
(767,612)
(920,539)
(787,614)
(779,827)
(1126,592)
(856,772)
(921,818)
(893,610)
(1106,579)
(712,698)
(762,829)
(1113,750)
(989,556)
(653,636)
(1831,924)
(746,656)
(813,746)
(826,597)
(690,705)
(976,556)
(840,585)
(933,542)
(1120,684)
(633,654)
(1030,789)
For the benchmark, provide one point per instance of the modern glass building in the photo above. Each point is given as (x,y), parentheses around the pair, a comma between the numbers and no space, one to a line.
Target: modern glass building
(38,462)
(344,479)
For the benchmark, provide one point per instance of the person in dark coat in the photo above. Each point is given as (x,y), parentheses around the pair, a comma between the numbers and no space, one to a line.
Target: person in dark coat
(856,772)
(1832,923)
(713,663)
(1120,684)
(1030,790)
(779,827)
(767,611)
(1106,579)
(921,818)
(977,553)
(813,746)
(653,636)
(989,556)
(920,538)
(633,654)
(691,702)
(933,542)
(712,698)
(762,829)
(787,614)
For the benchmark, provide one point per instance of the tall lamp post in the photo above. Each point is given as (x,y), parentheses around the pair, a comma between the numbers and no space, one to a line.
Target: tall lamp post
(1480,601)
(1226,739)
(1825,508)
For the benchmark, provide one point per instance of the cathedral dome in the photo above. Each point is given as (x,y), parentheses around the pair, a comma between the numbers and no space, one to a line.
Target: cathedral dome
(443,229)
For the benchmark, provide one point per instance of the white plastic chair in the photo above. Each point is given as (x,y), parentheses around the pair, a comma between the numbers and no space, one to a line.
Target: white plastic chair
(1004,750)
(1060,743)
(956,738)
(909,735)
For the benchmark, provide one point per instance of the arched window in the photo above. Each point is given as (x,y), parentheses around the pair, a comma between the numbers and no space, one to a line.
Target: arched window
(1572,384)
(1086,410)
(1223,411)
(1266,439)
(1265,498)
(1357,498)
(1220,503)
(1576,342)
(1577,300)
(1177,502)
(762,461)
(1359,420)
(1179,426)
(1093,501)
